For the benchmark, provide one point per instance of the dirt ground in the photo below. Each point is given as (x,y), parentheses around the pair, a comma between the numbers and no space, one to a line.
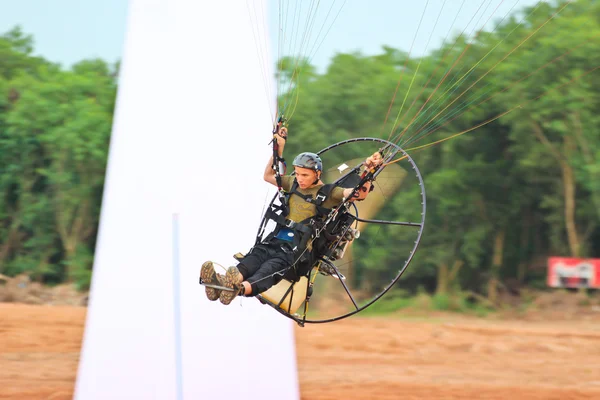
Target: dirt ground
(434,357)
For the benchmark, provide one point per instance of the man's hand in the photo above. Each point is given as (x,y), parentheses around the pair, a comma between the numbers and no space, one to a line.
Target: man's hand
(371,162)
(281,136)
(374,160)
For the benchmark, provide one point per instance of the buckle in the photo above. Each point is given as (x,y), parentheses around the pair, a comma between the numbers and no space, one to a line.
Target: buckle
(289,223)
(321,198)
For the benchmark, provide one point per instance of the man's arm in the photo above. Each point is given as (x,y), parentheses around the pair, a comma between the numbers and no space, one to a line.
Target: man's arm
(362,193)
(269,175)
(371,162)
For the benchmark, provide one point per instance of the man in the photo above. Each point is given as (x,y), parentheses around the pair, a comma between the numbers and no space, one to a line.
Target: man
(257,271)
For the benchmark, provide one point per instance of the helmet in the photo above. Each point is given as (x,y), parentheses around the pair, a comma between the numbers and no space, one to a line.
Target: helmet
(308,160)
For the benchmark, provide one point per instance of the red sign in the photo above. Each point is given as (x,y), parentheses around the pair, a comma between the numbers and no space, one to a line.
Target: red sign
(573,272)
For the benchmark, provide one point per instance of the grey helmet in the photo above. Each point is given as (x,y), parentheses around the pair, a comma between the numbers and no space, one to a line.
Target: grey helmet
(308,160)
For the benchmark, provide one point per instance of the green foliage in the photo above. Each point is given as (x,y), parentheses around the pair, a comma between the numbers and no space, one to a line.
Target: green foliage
(500,198)
(54,134)
(398,302)
(389,305)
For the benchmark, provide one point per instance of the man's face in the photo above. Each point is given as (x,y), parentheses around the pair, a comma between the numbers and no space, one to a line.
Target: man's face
(305,177)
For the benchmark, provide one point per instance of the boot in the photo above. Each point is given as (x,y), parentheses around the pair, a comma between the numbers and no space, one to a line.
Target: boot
(233,280)
(208,275)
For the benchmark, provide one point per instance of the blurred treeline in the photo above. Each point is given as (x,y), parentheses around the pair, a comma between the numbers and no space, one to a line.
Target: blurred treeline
(55,128)
(504,197)
(501,198)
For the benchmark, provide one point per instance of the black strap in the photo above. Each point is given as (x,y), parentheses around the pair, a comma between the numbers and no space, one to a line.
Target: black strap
(321,196)
(303,230)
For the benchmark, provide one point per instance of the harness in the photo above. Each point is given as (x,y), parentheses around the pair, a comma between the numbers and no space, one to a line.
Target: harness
(301,231)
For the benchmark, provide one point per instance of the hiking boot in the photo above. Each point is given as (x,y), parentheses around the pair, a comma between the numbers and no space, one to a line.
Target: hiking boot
(233,280)
(208,275)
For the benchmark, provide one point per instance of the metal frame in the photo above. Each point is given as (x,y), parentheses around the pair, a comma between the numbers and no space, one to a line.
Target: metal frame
(420,225)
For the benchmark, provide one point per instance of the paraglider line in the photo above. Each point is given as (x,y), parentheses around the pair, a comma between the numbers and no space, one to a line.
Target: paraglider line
(443,79)
(469,105)
(491,69)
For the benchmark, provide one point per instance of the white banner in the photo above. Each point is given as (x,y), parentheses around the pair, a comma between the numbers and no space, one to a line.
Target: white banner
(189,140)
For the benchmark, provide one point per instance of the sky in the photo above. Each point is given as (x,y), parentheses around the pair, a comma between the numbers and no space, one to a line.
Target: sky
(68,31)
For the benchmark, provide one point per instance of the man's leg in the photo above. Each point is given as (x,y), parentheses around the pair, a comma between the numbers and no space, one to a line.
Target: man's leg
(267,275)
(247,267)
(275,260)
(252,262)
(262,280)
(280,258)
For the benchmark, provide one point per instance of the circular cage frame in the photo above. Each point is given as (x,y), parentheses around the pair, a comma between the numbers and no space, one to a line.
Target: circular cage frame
(396,150)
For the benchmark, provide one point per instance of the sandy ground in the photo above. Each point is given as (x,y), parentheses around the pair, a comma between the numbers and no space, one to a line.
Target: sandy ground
(441,357)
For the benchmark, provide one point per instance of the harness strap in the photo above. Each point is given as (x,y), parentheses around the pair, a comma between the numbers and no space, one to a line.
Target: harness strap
(321,196)
(303,230)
